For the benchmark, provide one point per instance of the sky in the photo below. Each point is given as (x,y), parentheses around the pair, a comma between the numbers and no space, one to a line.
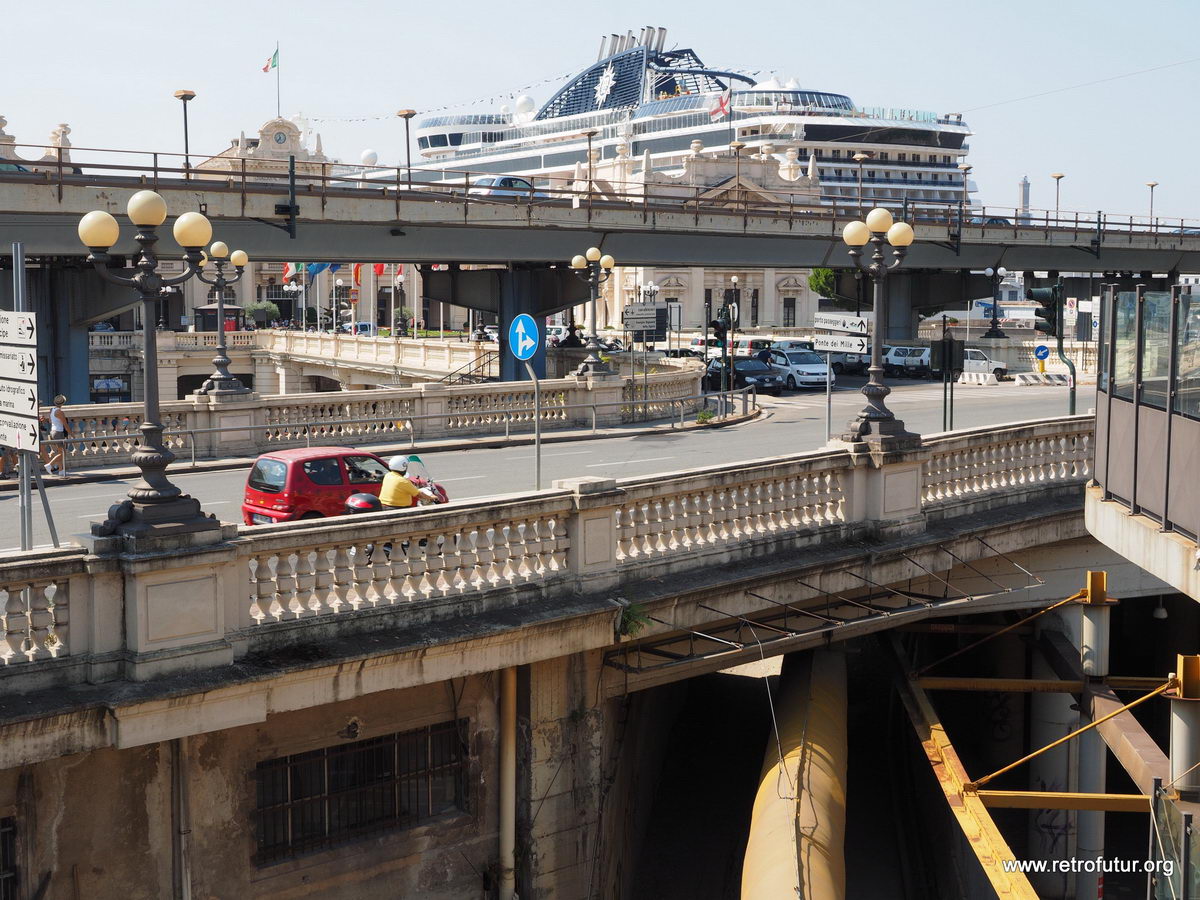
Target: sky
(113,79)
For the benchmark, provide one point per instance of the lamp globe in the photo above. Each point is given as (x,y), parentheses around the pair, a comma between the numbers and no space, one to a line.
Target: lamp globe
(192,230)
(146,208)
(900,235)
(856,234)
(879,220)
(99,230)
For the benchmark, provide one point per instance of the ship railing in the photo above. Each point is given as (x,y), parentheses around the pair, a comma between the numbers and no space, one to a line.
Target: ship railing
(59,167)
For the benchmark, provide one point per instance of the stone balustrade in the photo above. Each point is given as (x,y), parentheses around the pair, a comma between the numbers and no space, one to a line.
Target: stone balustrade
(107,611)
(202,427)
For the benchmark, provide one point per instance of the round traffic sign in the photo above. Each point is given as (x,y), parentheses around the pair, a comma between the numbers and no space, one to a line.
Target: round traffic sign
(523,337)
(1042,351)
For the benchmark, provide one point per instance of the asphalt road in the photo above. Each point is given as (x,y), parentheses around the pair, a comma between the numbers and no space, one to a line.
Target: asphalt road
(792,423)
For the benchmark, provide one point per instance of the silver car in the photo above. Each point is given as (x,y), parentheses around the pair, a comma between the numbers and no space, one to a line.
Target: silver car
(801,368)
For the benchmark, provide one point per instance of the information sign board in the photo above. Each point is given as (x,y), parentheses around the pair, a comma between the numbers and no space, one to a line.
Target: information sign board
(18,381)
(841,343)
(853,324)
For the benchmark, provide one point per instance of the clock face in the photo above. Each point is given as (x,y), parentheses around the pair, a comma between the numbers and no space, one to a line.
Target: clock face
(280,137)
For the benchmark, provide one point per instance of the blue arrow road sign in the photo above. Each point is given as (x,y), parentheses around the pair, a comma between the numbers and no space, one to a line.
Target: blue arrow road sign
(1042,351)
(523,337)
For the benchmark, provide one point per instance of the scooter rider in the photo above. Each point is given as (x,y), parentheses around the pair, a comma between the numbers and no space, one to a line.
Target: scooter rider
(397,492)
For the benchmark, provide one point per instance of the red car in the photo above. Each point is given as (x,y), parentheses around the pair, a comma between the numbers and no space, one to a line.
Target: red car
(309,483)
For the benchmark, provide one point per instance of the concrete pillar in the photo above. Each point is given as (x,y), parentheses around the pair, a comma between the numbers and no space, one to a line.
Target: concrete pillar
(1051,831)
(693,312)
(1093,651)
(517,295)
(769,313)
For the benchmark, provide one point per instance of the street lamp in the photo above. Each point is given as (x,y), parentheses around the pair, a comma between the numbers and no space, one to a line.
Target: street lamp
(879,230)
(154,504)
(1058,177)
(295,288)
(595,269)
(337,302)
(1152,185)
(185,96)
(406,115)
(965,205)
(997,276)
(860,157)
(221,381)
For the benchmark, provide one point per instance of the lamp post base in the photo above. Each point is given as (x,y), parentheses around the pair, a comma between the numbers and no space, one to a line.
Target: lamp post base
(226,386)
(881,434)
(178,516)
(993,333)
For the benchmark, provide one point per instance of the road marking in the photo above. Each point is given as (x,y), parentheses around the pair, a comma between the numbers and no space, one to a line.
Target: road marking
(627,462)
(544,455)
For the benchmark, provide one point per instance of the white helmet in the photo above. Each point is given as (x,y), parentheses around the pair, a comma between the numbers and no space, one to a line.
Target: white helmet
(398,464)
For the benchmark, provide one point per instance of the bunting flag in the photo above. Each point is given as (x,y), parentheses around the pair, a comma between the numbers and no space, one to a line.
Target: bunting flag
(291,270)
(358,273)
(315,269)
(272,62)
(379,268)
(333,267)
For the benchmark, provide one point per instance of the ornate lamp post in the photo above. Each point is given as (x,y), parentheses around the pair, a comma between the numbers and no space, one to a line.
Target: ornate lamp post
(595,269)
(221,381)
(297,292)
(155,505)
(997,276)
(876,423)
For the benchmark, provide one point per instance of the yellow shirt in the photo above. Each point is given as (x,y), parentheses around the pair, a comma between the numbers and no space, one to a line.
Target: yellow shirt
(398,491)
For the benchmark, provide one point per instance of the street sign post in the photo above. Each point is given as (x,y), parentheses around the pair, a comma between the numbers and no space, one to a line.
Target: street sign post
(524,337)
(860,324)
(841,343)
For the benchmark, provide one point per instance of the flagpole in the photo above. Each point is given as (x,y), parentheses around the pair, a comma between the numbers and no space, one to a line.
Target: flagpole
(278,114)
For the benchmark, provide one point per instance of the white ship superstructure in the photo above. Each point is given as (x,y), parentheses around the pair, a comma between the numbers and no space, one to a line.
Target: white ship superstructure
(658,102)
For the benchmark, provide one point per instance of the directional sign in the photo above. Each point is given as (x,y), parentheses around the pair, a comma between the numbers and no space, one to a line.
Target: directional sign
(523,337)
(841,343)
(18,381)
(843,322)
(1042,351)
(18,364)
(18,328)
(19,433)
(642,316)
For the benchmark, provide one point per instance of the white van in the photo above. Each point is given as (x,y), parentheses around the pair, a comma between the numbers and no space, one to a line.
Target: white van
(714,348)
(975,360)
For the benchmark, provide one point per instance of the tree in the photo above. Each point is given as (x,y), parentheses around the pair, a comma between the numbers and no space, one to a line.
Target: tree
(822,283)
(261,310)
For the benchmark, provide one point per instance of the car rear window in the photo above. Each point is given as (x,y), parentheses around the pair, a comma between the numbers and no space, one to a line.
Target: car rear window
(751,365)
(323,471)
(268,476)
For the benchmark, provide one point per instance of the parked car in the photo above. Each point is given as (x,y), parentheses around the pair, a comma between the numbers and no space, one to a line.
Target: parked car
(364,328)
(912,361)
(747,372)
(308,483)
(493,332)
(989,220)
(801,368)
(102,326)
(12,167)
(841,362)
(504,186)
(713,347)
(556,334)
(975,360)
(751,346)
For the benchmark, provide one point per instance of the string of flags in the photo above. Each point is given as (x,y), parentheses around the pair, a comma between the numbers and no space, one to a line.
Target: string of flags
(313,269)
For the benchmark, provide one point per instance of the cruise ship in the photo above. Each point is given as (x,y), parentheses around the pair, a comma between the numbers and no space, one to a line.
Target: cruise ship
(647,99)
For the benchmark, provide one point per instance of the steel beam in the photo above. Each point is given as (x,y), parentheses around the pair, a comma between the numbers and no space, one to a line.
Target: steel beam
(1139,803)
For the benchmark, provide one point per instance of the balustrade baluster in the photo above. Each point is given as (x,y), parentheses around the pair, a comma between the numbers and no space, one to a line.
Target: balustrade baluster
(362,575)
(342,587)
(40,620)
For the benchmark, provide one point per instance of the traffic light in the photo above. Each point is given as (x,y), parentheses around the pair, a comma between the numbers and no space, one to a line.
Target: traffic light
(719,328)
(1046,316)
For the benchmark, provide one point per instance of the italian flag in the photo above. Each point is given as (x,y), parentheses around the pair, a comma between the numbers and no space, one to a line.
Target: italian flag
(273,62)
(291,270)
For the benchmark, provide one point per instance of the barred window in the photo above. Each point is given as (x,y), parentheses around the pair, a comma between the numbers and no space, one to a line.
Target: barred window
(789,312)
(9,882)
(310,801)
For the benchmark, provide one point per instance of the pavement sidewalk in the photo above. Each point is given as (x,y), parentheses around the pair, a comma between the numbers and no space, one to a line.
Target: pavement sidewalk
(86,475)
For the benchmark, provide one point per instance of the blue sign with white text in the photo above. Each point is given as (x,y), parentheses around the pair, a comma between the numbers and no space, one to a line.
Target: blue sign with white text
(523,337)
(1042,351)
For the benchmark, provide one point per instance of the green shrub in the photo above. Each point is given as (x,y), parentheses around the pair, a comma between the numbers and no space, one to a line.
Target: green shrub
(705,416)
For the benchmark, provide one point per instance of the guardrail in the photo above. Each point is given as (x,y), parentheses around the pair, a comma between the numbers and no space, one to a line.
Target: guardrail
(61,167)
(270,584)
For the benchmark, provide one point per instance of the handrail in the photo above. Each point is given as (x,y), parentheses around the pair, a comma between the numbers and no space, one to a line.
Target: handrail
(355,181)
(469,373)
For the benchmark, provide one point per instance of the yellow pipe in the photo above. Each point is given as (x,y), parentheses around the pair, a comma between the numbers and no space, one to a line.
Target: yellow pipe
(795,850)
(508,781)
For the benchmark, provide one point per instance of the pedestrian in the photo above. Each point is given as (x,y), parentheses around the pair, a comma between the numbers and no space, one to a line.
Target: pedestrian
(764,355)
(59,432)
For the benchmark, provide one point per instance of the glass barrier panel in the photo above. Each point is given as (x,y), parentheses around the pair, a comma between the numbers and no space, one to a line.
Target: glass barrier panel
(1187,350)
(1125,337)
(1105,302)
(1168,829)
(1156,347)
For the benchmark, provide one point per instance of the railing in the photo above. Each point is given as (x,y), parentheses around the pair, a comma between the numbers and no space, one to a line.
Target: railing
(483,368)
(501,551)
(61,168)
(107,433)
